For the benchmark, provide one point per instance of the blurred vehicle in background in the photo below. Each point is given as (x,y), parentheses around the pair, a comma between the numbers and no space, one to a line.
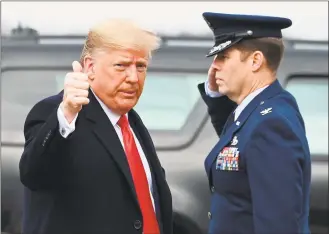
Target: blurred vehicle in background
(33,67)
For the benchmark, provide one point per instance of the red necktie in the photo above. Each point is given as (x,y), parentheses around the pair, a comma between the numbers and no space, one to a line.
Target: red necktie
(150,224)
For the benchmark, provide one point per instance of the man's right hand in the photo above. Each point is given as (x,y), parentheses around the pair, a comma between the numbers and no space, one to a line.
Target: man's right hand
(212,80)
(76,87)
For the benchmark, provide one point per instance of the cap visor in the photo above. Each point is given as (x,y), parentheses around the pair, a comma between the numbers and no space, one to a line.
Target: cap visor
(217,48)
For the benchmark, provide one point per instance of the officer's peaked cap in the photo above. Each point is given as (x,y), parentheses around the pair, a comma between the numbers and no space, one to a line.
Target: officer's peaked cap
(230,29)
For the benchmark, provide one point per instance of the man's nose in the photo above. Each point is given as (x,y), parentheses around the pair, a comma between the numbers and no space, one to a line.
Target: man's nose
(216,65)
(132,75)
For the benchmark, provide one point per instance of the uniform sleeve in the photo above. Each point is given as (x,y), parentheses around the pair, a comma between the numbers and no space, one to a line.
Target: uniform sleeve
(44,154)
(209,92)
(274,167)
(219,108)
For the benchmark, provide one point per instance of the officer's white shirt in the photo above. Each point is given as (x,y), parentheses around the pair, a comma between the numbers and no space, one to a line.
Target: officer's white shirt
(65,129)
(242,105)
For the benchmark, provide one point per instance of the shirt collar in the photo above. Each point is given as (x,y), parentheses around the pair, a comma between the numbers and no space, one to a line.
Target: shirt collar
(114,117)
(246,101)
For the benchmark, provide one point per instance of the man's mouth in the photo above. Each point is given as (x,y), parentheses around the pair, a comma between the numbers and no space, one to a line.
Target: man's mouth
(129,93)
(219,80)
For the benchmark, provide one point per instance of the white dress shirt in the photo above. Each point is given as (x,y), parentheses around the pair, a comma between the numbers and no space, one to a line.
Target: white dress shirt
(65,129)
(242,105)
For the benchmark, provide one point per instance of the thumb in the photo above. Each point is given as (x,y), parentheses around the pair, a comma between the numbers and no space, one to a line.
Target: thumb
(76,66)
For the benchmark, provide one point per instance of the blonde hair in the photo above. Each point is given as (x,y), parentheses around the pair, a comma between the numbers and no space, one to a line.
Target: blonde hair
(119,34)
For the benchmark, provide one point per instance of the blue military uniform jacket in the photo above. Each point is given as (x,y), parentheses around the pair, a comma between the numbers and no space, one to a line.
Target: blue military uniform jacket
(259,171)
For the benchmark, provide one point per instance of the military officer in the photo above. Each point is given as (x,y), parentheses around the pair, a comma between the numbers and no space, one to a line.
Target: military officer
(259,171)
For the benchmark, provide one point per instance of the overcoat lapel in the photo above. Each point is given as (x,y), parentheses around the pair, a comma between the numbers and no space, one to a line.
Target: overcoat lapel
(106,134)
(145,141)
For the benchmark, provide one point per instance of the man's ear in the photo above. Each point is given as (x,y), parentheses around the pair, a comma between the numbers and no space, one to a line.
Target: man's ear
(257,60)
(88,66)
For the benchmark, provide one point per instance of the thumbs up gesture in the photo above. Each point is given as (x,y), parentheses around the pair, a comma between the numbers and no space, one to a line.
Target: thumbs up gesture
(76,87)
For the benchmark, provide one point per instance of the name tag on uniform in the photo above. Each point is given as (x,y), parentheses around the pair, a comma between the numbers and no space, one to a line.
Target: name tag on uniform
(228,159)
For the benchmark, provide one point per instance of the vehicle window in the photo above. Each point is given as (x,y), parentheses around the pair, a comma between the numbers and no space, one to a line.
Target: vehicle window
(168,99)
(312,97)
(166,102)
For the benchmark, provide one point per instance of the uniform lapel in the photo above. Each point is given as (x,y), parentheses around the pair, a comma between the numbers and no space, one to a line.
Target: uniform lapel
(267,93)
(106,134)
(224,140)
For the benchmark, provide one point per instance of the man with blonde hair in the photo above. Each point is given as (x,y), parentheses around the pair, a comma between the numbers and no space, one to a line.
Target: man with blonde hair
(89,164)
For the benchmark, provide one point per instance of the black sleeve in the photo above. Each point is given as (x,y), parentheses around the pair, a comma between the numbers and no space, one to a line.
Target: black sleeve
(44,153)
(219,108)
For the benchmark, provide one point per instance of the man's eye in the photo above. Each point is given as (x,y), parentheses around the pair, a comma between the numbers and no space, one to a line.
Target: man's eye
(120,66)
(141,67)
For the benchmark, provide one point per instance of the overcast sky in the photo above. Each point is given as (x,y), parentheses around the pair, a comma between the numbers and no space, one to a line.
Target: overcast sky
(310,19)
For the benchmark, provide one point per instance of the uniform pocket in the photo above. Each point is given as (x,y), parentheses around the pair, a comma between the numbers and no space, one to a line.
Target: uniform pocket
(228,181)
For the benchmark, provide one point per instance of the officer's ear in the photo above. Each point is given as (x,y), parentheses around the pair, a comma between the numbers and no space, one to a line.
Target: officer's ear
(257,60)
